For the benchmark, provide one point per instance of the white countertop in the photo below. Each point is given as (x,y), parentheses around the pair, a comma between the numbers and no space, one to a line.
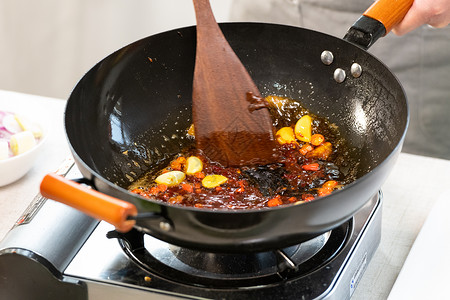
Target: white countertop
(411,190)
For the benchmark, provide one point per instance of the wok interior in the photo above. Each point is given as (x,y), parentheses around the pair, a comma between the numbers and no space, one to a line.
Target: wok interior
(129,114)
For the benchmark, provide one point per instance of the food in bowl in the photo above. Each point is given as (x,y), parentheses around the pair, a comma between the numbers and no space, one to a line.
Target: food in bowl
(311,158)
(20,139)
(17,134)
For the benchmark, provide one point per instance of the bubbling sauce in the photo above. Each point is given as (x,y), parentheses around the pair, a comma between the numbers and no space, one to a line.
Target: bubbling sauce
(313,161)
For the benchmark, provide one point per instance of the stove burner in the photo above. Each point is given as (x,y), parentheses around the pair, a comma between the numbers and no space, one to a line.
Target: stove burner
(220,270)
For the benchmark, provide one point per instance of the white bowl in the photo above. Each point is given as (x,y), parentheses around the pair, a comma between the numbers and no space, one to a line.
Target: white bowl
(15,167)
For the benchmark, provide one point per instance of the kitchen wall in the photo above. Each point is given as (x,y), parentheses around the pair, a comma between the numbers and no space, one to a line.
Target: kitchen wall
(46,46)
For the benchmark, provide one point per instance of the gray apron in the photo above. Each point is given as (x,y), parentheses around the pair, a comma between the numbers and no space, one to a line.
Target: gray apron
(420,59)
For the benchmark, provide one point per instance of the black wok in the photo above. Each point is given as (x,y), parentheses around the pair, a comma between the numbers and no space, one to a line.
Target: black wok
(130,112)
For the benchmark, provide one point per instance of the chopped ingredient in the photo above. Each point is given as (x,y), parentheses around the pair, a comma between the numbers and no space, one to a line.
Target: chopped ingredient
(10,124)
(292,199)
(27,125)
(327,188)
(22,142)
(305,149)
(17,134)
(170,178)
(330,183)
(199,175)
(178,164)
(311,167)
(310,154)
(187,187)
(160,188)
(191,131)
(193,165)
(322,152)
(317,139)
(285,135)
(303,129)
(275,201)
(211,181)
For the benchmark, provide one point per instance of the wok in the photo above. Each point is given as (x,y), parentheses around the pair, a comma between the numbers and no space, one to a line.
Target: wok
(130,112)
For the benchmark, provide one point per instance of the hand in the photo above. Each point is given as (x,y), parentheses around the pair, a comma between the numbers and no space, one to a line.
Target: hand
(432,12)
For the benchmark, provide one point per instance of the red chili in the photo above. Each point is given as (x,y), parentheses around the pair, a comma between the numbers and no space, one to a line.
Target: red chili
(317,139)
(162,187)
(305,149)
(330,183)
(311,167)
(153,191)
(199,175)
(275,201)
(187,187)
(323,191)
(178,163)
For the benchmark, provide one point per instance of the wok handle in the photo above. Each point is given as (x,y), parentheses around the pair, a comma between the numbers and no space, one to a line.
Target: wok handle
(90,202)
(377,21)
(388,12)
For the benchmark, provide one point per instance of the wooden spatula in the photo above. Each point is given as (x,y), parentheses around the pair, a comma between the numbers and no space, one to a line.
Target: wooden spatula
(230,125)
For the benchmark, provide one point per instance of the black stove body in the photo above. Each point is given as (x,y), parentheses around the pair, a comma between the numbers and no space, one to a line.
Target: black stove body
(56,252)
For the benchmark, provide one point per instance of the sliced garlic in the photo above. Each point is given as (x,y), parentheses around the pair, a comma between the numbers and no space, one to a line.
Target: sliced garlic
(27,125)
(10,123)
(303,129)
(193,165)
(171,178)
(285,135)
(22,142)
(212,181)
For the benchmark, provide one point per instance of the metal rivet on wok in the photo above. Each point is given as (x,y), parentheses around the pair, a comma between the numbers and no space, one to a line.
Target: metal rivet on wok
(339,75)
(356,70)
(165,226)
(327,57)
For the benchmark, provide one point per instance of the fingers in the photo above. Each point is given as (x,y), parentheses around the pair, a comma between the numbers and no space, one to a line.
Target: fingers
(435,13)
(439,21)
(413,19)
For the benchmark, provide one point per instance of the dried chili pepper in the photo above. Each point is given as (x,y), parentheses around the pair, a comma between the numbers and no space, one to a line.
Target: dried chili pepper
(275,201)
(317,139)
(311,167)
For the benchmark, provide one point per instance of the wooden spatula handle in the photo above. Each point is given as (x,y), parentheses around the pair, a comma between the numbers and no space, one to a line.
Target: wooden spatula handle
(227,127)
(203,13)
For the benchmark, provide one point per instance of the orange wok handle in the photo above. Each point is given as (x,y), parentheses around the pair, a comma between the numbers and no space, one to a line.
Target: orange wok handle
(377,21)
(388,12)
(91,202)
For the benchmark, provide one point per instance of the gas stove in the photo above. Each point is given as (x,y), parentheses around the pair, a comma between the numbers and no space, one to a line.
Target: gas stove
(56,252)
